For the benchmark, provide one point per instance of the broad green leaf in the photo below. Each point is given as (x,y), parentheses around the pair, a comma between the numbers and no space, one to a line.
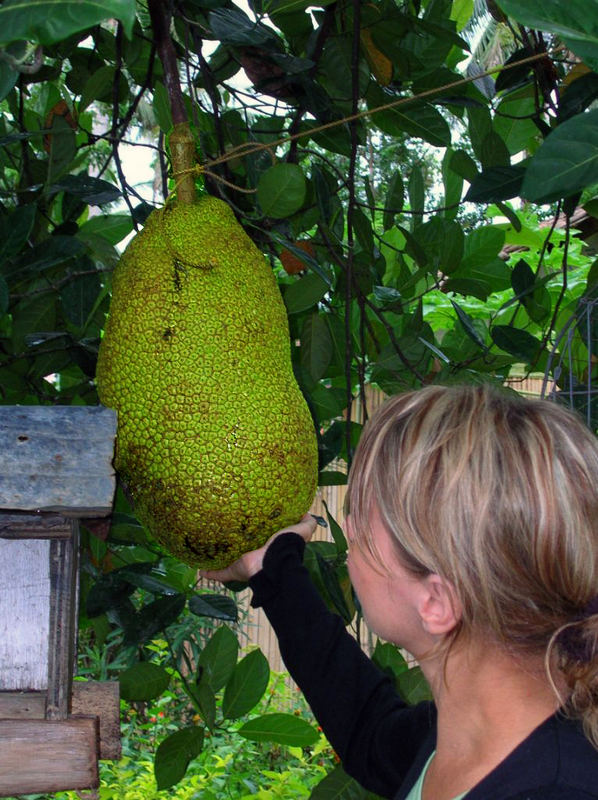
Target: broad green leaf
(63,147)
(79,297)
(327,402)
(416,190)
(337,785)
(496,183)
(112,227)
(388,658)
(4,296)
(285,729)
(216,606)
(15,230)
(420,121)
(513,121)
(281,190)
(304,293)
(481,247)
(94,191)
(142,682)
(8,79)
(153,618)
(316,346)
(336,531)
(337,69)
(468,325)
(32,315)
(246,686)
(363,230)
(232,26)
(463,164)
(413,687)
(218,658)
(205,698)
(574,22)
(331,478)
(515,341)
(51,21)
(393,202)
(161,105)
(566,162)
(578,95)
(453,186)
(443,243)
(174,755)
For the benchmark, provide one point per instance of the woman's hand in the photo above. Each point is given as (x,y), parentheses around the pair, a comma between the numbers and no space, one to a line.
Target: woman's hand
(250,563)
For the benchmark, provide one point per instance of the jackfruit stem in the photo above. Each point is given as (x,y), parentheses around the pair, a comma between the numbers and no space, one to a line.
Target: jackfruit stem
(182,152)
(182,145)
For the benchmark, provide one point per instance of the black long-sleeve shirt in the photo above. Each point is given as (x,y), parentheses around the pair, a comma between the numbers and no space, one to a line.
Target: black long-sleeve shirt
(382,742)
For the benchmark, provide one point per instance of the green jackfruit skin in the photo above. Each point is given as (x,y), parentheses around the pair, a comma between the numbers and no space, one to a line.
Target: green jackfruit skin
(215,441)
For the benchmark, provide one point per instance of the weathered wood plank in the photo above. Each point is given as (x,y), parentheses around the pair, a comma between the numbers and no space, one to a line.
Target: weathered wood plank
(22,705)
(102,699)
(24,613)
(34,526)
(57,458)
(64,591)
(48,756)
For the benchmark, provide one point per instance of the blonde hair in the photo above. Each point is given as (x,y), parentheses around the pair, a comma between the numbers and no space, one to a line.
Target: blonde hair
(498,494)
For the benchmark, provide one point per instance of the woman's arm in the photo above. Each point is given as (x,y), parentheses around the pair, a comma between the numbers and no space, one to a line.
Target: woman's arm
(374,733)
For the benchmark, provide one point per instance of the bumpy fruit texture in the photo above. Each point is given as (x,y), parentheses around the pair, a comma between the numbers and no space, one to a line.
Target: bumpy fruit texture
(215,441)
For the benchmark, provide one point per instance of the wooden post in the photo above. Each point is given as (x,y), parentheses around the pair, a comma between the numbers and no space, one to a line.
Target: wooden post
(55,468)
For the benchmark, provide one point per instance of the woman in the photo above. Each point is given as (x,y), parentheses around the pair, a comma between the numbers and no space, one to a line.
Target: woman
(473,544)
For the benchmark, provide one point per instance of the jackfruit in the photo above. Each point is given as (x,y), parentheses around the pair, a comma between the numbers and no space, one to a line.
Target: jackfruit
(215,441)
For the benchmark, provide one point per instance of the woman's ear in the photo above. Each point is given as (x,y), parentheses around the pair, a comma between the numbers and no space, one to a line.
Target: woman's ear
(439,607)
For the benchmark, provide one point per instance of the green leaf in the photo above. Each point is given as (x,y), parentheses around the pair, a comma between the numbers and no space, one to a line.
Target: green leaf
(413,687)
(468,326)
(8,79)
(336,531)
(79,297)
(94,191)
(143,682)
(232,26)
(316,346)
(393,203)
(218,658)
(281,190)
(389,659)
(51,21)
(337,785)
(63,147)
(495,184)
(174,755)
(416,190)
(285,729)
(331,478)
(515,341)
(304,293)
(4,296)
(566,162)
(153,618)
(363,230)
(246,686)
(15,230)
(161,105)
(216,606)
(574,22)
(443,243)
(420,121)
(205,697)
(112,227)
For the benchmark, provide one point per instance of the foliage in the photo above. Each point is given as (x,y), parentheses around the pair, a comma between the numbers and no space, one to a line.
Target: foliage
(437,200)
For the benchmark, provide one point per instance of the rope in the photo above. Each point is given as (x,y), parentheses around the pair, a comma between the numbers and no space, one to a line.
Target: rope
(247,148)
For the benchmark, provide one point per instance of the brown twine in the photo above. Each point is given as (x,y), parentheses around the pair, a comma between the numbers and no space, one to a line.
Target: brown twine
(247,148)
